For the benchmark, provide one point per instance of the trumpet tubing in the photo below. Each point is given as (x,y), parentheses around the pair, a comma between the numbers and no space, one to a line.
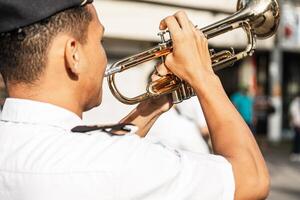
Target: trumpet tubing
(259,20)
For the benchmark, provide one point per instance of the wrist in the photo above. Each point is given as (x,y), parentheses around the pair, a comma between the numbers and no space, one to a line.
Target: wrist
(146,108)
(205,82)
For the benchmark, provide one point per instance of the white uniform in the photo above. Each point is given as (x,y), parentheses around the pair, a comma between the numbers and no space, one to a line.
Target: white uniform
(181,131)
(192,110)
(41,159)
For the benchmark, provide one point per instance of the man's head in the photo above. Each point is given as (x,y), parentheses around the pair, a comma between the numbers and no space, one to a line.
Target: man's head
(61,54)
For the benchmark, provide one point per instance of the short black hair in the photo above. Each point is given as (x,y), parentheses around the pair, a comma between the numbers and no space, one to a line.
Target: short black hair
(23,52)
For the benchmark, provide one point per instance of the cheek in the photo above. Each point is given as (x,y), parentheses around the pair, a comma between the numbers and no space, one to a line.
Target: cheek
(99,58)
(102,57)
(97,64)
(101,63)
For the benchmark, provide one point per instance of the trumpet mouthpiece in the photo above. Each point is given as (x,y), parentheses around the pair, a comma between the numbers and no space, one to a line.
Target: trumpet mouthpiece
(111,71)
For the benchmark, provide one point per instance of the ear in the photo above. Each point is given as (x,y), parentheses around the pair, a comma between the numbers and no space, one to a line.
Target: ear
(72,56)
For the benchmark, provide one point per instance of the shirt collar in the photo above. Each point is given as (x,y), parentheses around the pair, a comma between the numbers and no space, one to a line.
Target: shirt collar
(34,112)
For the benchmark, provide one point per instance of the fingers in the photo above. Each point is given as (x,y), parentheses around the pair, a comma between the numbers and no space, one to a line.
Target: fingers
(179,18)
(190,52)
(163,25)
(160,71)
(171,23)
(202,45)
(178,25)
(183,20)
(200,39)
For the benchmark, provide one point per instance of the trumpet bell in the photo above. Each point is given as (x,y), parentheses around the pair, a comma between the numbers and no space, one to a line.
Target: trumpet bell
(263,15)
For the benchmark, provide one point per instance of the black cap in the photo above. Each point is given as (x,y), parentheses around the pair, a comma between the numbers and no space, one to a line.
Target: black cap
(16,14)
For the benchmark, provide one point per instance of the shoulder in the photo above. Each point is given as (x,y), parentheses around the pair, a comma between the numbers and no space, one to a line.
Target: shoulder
(92,151)
(180,174)
(46,149)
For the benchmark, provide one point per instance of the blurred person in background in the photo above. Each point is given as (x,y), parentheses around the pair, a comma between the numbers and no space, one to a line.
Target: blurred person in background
(244,104)
(53,65)
(262,109)
(183,127)
(294,112)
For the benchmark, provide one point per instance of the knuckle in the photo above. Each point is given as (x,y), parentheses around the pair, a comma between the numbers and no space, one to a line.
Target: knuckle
(169,18)
(177,13)
(181,13)
(204,39)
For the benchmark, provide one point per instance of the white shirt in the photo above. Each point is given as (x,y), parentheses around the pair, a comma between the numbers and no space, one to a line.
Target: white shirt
(41,159)
(192,110)
(181,131)
(295,112)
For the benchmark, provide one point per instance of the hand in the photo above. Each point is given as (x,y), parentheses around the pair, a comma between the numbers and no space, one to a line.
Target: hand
(160,104)
(190,58)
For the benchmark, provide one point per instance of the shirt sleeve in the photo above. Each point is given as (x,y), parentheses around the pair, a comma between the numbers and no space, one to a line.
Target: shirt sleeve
(155,171)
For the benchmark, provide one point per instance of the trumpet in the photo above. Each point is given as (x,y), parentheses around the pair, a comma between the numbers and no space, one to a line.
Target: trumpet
(258,18)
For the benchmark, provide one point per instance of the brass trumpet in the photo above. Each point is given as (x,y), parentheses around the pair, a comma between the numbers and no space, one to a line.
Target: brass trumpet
(258,18)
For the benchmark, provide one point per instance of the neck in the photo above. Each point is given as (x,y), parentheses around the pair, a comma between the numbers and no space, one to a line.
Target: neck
(59,96)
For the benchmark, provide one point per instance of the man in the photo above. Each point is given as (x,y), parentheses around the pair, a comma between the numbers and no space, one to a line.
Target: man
(53,66)
(244,104)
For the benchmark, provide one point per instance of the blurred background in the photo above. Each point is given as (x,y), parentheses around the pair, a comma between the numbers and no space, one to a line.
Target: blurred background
(265,84)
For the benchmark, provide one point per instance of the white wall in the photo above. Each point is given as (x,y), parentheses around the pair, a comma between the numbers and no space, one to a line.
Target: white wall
(140,21)
(222,5)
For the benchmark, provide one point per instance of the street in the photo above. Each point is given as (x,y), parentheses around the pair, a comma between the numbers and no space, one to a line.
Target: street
(285,175)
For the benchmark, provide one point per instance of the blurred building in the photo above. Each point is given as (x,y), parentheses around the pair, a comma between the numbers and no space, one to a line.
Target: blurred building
(289,54)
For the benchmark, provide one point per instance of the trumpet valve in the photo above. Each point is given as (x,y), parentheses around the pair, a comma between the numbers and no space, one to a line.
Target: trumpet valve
(164,85)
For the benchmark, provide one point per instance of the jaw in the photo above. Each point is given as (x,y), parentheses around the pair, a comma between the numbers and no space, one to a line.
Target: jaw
(92,100)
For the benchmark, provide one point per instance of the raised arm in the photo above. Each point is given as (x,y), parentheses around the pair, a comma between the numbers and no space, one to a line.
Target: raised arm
(231,137)
(146,113)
